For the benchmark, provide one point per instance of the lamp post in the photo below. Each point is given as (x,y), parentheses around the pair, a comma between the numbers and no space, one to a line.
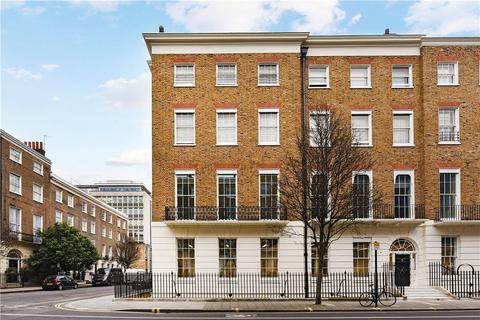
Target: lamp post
(376,246)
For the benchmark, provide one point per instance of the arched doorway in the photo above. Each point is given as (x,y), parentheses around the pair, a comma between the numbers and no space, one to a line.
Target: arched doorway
(403,260)
(14,265)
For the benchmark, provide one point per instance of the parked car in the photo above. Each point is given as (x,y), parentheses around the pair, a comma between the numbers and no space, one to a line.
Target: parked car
(107,277)
(59,283)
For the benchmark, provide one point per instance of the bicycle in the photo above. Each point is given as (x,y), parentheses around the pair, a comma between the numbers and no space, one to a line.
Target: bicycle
(385,297)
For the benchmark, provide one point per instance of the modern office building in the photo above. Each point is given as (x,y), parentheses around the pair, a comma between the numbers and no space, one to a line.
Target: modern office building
(227,107)
(134,200)
(33,199)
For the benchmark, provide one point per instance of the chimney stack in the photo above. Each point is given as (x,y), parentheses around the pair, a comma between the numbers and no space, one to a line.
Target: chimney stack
(161,29)
(387,31)
(36,145)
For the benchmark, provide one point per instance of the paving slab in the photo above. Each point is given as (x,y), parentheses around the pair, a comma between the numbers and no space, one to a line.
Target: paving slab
(108,304)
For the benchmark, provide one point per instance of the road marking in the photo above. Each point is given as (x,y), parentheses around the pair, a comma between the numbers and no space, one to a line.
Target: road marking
(176,317)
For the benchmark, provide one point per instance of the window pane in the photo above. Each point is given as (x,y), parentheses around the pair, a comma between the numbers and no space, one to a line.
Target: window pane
(227,257)
(185,127)
(361,258)
(184,75)
(402,196)
(186,257)
(268,257)
(185,196)
(227,196)
(227,128)
(268,74)
(317,76)
(361,196)
(360,129)
(226,74)
(268,128)
(401,128)
(448,195)
(269,196)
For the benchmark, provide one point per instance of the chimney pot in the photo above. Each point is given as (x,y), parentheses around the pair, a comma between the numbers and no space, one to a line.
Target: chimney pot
(161,29)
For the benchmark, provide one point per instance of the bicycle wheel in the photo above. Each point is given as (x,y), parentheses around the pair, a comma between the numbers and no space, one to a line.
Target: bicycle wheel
(387,299)
(366,299)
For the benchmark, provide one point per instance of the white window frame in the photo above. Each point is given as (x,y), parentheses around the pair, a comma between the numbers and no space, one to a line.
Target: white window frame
(36,238)
(268,84)
(232,111)
(93,212)
(104,232)
(268,171)
(225,172)
(370,249)
(411,143)
(40,166)
(185,172)
(104,216)
(370,127)
(455,73)
(458,187)
(59,196)
(41,193)
(457,123)
(269,110)
(368,173)
(58,216)
(14,159)
(310,123)
(119,223)
(410,173)
(73,220)
(94,229)
(410,76)
(84,207)
(124,225)
(84,225)
(175,84)
(70,201)
(327,71)
(369,75)
(216,74)
(189,143)
(19,183)
(110,233)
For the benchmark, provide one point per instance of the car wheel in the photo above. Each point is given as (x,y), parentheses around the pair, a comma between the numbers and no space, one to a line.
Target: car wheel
(75,286)
(60,287)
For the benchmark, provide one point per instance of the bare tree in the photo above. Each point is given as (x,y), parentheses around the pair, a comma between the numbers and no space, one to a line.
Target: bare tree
(317,185)
(126,252)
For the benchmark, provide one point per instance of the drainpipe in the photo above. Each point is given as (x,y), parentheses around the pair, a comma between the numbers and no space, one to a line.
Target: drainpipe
(303,55)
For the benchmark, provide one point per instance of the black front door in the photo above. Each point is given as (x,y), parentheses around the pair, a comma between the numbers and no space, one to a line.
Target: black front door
(402,270)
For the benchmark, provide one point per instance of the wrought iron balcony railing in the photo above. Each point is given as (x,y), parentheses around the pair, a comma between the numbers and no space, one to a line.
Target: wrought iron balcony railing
(449,136)
(212,213)
(24,237)
(464,212)
(387,211)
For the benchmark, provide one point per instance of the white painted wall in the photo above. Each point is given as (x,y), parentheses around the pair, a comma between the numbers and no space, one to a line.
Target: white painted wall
(426,237)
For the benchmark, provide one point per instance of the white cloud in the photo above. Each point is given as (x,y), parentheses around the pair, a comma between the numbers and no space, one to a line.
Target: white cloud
(21,73)
(259,15)
(355,19)
(444,17)
(135,157)
(7,4)
(49,66)
(55,98)
(32,11)
(100,5)
(127,93)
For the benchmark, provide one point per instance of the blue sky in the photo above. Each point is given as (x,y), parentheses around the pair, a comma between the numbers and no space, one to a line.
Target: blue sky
(76,70)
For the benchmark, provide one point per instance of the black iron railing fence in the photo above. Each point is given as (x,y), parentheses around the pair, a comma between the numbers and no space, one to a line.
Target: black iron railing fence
(467,212)
(463,281)
(286,285)
(25,237)
(248,213)
(448,136)
(213,213)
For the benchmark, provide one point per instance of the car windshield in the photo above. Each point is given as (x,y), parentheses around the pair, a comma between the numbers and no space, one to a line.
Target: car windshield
(102,271)
(50,277)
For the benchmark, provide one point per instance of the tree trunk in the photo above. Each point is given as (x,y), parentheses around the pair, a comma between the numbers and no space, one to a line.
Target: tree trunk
(318,291)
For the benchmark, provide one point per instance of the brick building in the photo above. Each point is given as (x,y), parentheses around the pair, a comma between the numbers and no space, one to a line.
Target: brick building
(34,199)
(135,200)
(226,108)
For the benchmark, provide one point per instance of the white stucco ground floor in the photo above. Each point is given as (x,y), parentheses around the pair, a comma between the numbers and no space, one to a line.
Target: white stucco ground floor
(187,247)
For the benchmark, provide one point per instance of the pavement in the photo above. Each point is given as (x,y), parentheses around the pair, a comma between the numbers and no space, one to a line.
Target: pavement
(107,304)
(34,288)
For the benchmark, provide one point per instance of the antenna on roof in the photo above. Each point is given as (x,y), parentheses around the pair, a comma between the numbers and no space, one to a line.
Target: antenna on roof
(161,29)
(387,31)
